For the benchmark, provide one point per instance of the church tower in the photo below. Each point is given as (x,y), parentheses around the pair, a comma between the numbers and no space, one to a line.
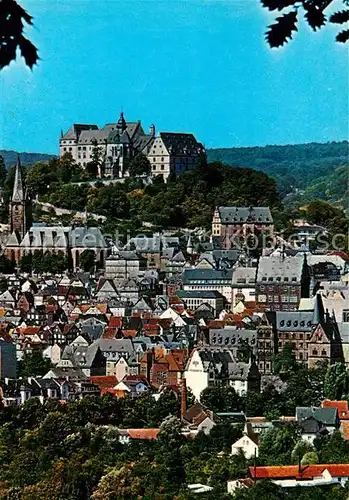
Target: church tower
(18,216)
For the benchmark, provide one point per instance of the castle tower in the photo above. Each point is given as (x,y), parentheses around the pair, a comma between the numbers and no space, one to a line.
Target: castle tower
(18,219)
(121,125)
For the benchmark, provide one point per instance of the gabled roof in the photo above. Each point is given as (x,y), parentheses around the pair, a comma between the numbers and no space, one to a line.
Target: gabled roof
(180,144)
(327,416)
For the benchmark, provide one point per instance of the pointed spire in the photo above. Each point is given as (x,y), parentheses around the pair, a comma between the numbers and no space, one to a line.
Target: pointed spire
(319,313)
(62,134)
(18,191)
(121,125)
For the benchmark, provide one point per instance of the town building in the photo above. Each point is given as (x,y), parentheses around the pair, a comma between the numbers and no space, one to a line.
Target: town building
(233,225)
(281,282)
(173,153)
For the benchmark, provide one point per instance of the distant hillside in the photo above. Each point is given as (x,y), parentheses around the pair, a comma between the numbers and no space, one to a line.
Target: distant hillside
(10,157)
(302,172)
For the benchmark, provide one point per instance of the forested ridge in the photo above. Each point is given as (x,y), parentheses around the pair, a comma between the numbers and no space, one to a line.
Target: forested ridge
(303,172)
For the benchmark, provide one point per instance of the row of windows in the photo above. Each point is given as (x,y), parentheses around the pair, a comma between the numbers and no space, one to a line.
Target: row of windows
(272,288)
(287,335)
(278,278)
(162,167)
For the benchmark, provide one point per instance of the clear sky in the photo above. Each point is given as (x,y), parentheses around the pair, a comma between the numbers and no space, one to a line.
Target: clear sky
(198,66)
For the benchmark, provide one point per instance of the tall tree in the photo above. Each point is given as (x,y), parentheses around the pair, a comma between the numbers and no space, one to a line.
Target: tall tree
(3,171)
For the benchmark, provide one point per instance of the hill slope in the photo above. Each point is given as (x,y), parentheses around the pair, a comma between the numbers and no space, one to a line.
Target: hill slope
(302,171)
(10,157)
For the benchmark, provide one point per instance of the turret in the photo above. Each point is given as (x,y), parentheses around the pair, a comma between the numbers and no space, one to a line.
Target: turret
(121,125)
(152,130)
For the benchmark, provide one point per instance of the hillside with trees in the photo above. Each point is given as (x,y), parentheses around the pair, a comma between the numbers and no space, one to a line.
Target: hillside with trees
(303,172)
(186,201)
(10,157)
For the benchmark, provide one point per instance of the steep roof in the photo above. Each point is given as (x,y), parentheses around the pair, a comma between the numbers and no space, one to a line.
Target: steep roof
(242,215)
(180,144)
(18,191)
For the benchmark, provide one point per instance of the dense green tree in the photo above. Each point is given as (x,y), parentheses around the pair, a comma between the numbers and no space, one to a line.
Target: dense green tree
(284,363)
(220,399)
(7,266)
(26,263)
(277,444)
(33,364)
(336,384)
(139,165)
(3,171)
(88,260)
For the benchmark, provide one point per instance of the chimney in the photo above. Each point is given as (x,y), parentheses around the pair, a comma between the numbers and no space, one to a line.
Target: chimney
(183,396)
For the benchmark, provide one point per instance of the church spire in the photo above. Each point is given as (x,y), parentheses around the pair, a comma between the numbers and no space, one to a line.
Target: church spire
(18,191)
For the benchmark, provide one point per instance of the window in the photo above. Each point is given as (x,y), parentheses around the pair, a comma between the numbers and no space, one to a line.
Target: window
(162,159)
(301,356)
(270,298)
(314,352)
(154,159)
(154,167)
(162,167)
(264,278)
(345,315)
(323,353)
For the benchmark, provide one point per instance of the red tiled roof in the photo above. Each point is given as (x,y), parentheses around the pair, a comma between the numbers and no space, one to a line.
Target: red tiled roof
(342,406)
(115,321)
(109,333)
(143,433)
(29,330)
(104,382)
(129,333)
(292,471)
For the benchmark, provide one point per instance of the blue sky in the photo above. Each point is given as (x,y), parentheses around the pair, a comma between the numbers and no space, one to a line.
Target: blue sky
(198,66)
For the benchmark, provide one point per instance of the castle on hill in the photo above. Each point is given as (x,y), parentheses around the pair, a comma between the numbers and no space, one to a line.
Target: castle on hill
(117,143)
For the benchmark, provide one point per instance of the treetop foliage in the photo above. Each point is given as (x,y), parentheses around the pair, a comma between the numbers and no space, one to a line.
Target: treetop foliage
(282,31)
(12,19)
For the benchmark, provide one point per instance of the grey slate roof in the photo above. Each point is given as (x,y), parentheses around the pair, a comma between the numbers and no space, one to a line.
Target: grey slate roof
(288,321)
(327,416)
(232,337)
(278,268)
(207,276)
(18,191)
(61,237)
(243,276)
(241,215)
(115,345)
(179,144)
